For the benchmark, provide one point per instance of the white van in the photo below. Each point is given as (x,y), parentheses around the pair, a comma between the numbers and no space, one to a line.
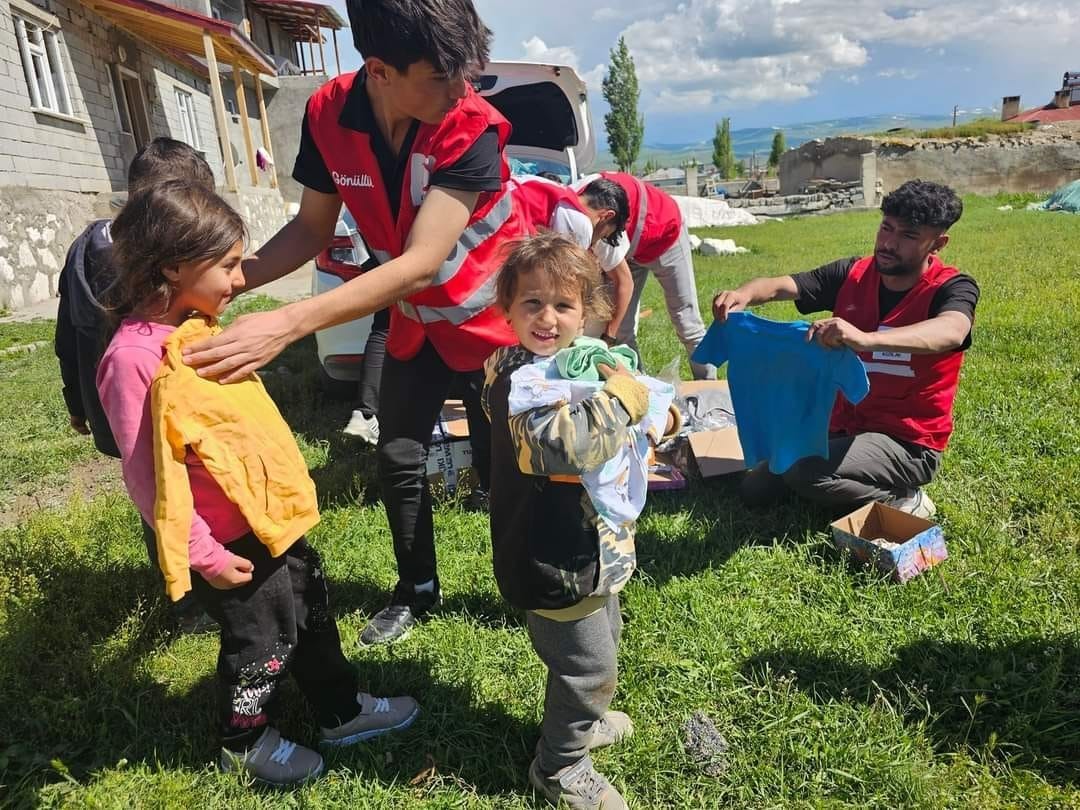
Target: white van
(553,132)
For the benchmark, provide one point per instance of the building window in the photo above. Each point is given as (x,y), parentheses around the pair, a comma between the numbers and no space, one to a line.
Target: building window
(189,126)
(40,48)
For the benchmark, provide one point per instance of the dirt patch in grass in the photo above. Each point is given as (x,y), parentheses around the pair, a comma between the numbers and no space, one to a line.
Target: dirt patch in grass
(88,478)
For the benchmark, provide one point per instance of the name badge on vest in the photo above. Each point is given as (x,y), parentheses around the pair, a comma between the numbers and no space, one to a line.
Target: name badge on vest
(419,177)
(902,357)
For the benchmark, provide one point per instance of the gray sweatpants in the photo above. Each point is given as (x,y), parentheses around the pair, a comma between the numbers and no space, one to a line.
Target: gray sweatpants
(582,663)
(862,468)
(674,270)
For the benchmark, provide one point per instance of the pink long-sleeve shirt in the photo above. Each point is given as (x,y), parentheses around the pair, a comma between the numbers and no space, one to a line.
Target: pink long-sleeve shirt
(123,381)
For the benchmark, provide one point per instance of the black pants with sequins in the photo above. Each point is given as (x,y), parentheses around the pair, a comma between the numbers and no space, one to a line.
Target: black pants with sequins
(277,624)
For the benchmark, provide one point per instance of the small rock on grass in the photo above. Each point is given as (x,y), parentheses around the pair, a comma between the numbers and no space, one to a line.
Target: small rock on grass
(704,744)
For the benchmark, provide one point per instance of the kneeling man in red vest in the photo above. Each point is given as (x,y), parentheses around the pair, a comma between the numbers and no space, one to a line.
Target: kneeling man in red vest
(909,318)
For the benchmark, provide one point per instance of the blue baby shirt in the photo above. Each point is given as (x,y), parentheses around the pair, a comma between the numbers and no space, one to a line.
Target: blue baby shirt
(782,387)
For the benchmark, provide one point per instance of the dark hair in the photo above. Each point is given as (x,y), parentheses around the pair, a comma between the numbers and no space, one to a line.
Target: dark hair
(607,194)
(447,33)
(920,202)
(161,226)
(167,159)
(554,178)
(570,265)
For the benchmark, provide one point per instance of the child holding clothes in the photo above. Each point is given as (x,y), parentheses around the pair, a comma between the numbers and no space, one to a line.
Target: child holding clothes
(216,471)
(554,555)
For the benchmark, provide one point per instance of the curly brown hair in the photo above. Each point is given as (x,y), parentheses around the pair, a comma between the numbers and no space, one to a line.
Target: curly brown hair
(570,266)
(162,226)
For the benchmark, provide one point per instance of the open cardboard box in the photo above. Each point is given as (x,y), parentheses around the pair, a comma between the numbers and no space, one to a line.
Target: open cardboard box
(449,460)
(912,546)
(717,452)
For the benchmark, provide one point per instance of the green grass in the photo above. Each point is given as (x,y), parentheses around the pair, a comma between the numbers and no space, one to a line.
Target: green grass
(979,127)
(834,688)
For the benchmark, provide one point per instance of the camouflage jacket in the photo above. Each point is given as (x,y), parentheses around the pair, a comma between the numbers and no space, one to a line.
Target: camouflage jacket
(550,548)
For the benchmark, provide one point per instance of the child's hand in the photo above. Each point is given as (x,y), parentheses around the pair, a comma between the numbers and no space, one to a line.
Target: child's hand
(78,424)
(238,572)
(607,372)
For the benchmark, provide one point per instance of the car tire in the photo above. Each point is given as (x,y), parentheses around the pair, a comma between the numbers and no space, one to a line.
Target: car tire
(338,389)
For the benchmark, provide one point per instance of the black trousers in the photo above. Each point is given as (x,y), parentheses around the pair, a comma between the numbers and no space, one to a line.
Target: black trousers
(277,624)
(374,359)
(413,392)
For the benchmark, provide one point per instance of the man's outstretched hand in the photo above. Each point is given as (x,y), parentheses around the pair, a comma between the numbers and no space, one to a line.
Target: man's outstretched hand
(834,333)
(245,346)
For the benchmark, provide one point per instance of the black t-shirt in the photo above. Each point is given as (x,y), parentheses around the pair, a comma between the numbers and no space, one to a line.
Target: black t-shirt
(818,290)
(479,169)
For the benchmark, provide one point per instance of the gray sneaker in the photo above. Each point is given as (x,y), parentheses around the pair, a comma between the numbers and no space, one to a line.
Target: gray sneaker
(917,504)
(377,716)
(274,761)
(613,727)
(577,786)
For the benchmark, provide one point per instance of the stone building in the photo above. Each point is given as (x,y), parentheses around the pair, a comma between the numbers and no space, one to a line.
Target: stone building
(85,83)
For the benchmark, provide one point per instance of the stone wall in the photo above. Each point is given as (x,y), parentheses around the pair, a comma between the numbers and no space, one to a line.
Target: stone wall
(36,228)
(263,211)
(973,166)
(835,158)
(1036,161)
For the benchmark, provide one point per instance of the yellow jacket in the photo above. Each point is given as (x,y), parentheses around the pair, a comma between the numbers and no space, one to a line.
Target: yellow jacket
(244,443)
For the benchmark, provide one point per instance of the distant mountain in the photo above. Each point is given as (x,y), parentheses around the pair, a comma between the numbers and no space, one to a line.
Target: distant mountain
(759,139)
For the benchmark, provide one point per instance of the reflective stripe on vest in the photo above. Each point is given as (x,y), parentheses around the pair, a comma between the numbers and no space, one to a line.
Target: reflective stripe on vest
(457,314)
(470,239)
(474,236)
(639,226)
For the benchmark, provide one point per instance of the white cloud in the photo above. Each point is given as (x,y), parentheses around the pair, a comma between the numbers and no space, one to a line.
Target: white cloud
(536,50)
(703,52)
(899,73)
(606,14)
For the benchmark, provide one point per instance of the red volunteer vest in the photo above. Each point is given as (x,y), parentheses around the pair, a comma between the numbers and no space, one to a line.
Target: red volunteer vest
(456,312)
(911,395)
(655,221)
(537,198)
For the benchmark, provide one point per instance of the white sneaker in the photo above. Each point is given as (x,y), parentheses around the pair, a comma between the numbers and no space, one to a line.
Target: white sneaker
(917,504)
(363,427)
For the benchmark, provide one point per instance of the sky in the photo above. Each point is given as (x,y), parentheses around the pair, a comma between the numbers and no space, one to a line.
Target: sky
(775,62)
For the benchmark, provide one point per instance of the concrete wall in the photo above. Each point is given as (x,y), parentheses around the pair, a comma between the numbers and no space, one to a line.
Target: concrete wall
(286,113)
(971,166)
(835,158)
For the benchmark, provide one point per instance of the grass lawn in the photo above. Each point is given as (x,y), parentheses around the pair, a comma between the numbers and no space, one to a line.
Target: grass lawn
(833,687)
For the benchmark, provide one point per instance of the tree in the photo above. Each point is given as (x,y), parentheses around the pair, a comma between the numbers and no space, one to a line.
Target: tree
(723,155)
(778,147)
(625,127)
(650,166)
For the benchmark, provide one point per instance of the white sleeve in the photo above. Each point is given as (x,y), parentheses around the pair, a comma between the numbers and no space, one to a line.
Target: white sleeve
(608,256)
(571,222)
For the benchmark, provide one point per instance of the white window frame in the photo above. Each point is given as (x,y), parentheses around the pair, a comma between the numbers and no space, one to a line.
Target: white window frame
(122,74)
(41,48)
(189,121)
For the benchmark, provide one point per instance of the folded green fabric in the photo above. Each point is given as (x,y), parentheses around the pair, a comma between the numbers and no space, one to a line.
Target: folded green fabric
(579,361)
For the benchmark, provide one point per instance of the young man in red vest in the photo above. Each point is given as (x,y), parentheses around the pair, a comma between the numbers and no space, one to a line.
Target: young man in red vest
(594,218)
(909,317)
(657,242)
(416,155)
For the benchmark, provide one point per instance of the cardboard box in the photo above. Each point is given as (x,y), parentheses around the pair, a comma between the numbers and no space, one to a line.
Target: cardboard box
(717,452)
(911,544)
(449,460)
